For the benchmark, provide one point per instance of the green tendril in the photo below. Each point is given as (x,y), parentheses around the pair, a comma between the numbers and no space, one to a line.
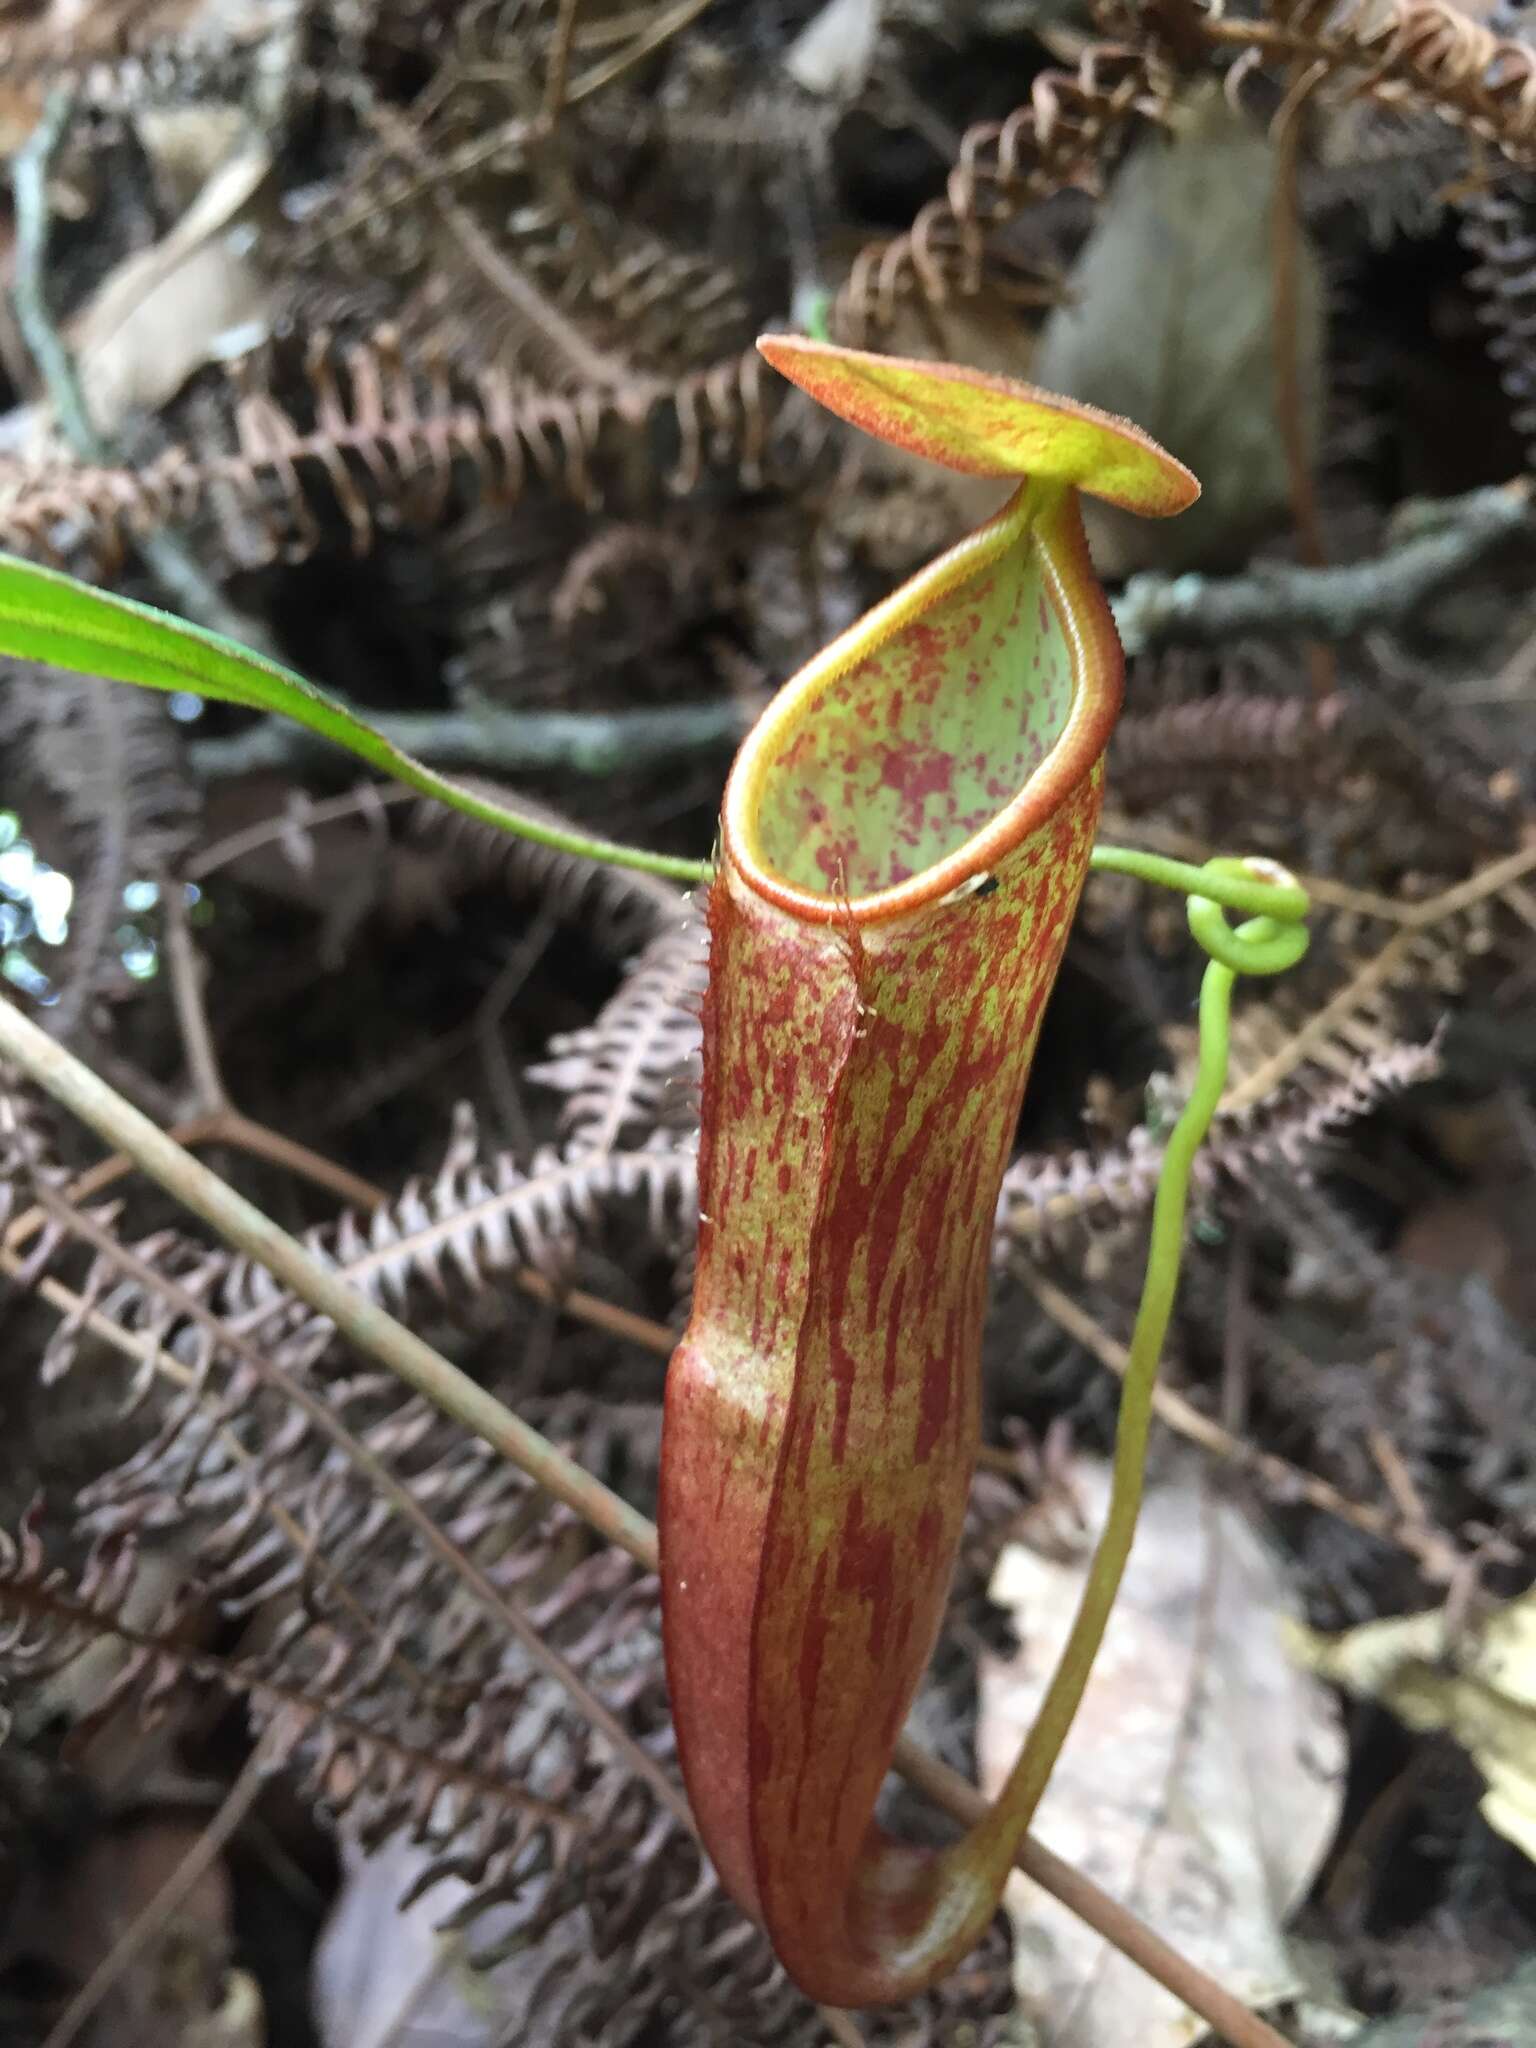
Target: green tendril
(1267,943)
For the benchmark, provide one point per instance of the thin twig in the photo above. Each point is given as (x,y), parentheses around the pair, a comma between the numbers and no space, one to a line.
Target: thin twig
(147,1352)
(186,977)
(843,2028)
(659,29)
(229,1127)
(226,1127)
(233,1127)
(222,1120)
(124,1128)
(367,797)
(559,68)
(495,739)
(1435,1552)
(1438,543)
(30,170)
(164,1904)
(1224,2014)
(534,308)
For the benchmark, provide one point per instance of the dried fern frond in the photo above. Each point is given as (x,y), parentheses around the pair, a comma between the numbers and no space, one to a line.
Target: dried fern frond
(635,1069)
(1055,1203)
(379,440)
(1424,54)
(467,1229)
(27,1150)
(500,259)
(446,1238)
(1365,984)
(1158,754)
(1395,173)
(761,127)
(551,1847)
(1061,137)
(1382,741)
(445,1795)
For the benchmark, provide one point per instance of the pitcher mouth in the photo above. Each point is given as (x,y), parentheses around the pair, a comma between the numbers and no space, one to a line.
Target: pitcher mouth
(900,822)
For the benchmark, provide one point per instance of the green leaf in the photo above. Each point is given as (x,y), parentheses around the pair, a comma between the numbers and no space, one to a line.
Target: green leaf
(48,617)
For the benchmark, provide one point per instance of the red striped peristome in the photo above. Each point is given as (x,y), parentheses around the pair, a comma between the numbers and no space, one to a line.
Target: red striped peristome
(904,839)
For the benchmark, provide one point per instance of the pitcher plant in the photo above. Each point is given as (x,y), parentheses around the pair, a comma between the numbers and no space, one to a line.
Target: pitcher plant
(905,835)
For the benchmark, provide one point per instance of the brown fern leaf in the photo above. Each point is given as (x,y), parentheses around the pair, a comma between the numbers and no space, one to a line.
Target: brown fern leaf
(653,311)
(1060,138)
(379,440)
(445,1239)
(761,127)
(1388,742)
(476,1222)
(500,258)
(583,1868)
(1056,1203)
(453,1796)
(1158,754)
(1395,173)
(1425,54)
(636,1068)
(632,605)
(27,1145)
(1365,984)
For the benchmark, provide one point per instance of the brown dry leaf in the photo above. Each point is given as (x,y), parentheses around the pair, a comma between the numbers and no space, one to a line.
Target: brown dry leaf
(1202,1780)
(1474,1678)
(187,145)
(157,315)
(1171,321)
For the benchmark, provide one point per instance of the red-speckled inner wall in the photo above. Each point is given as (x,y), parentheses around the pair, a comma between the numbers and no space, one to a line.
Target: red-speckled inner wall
(904,756)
